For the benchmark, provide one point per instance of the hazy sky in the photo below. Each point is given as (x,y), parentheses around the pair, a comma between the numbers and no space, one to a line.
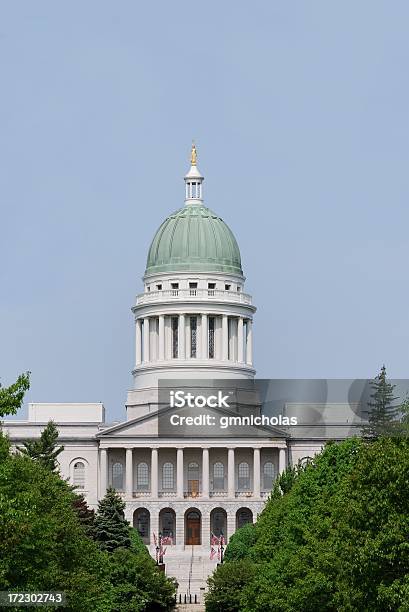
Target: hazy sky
(300,114)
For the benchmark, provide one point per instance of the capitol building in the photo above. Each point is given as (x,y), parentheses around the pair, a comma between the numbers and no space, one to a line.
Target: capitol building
(193,320)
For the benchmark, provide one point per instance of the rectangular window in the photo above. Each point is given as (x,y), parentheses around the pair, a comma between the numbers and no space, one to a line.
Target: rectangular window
(211,288)
(193,336)
(227,287)
(211,337)
(175,337)
(159,287)
(193,288)
(175,288)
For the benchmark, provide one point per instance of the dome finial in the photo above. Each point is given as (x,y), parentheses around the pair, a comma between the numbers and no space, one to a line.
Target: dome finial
(193,155)
(193,180)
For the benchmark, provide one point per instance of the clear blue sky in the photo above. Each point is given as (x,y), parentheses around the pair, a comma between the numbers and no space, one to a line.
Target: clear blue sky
(300,114)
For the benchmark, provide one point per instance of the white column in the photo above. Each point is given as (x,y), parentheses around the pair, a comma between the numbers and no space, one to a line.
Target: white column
(204,345)
(161,337)
(103,465)
(188,337)
(180,528)
(154,528)
(281,461)
(205,473)
(146,339)
(128,473)
(154,472)
(231,485)
(231,524)
(256,472)
(179,473)
(205,529)
(182,337)
(138,341)
(240,339)
(249,342)
(225,338)
(168,338)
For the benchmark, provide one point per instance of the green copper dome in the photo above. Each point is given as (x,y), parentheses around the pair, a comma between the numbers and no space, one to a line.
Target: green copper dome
(194,239)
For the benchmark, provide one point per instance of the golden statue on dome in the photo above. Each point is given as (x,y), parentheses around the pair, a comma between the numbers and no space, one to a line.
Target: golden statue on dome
(193,157)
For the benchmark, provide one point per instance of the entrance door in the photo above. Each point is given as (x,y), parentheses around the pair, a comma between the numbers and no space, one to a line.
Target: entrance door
(193,524)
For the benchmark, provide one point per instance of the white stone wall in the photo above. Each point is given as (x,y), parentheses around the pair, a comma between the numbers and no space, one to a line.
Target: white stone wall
(301,450)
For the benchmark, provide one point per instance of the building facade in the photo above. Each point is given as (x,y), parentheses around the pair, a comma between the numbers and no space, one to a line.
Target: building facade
(193,320)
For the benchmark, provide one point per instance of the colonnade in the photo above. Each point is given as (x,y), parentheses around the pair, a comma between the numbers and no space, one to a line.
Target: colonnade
(204,492)
(185,336)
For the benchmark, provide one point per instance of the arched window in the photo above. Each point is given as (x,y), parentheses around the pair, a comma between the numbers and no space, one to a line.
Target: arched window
(243,516)
(268,475)
(218,476)
(118,476)
(141,522)
(167,476)
(244,476)
(305,461)
(79,475)
(142,476)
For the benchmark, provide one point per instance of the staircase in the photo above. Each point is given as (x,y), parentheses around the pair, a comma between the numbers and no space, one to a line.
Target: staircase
(191,568)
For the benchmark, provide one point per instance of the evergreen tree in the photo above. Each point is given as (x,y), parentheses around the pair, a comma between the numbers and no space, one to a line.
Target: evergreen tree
(85,514)
(111,529)
(382,412)
(45,449)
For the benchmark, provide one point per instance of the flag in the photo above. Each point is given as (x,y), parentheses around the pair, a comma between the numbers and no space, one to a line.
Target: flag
(212,553)
(155,541)
(214,540)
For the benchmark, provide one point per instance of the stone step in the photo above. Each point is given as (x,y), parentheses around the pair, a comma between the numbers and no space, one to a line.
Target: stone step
(191,568)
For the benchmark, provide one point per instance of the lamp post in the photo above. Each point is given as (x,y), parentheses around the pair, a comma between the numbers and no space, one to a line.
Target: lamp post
(160,549)
(157,555)
(221,546)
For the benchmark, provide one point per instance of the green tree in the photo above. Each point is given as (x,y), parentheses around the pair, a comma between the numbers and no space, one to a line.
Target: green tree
(138,584)
(337,540)
(44,449)
(111,529)
(382,412)
(226,585)
(240,543)
(42,545)
(45,529)
(11,398)
(85,514)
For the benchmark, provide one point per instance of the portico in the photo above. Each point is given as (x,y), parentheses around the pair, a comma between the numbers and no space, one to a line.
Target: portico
(190,472)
